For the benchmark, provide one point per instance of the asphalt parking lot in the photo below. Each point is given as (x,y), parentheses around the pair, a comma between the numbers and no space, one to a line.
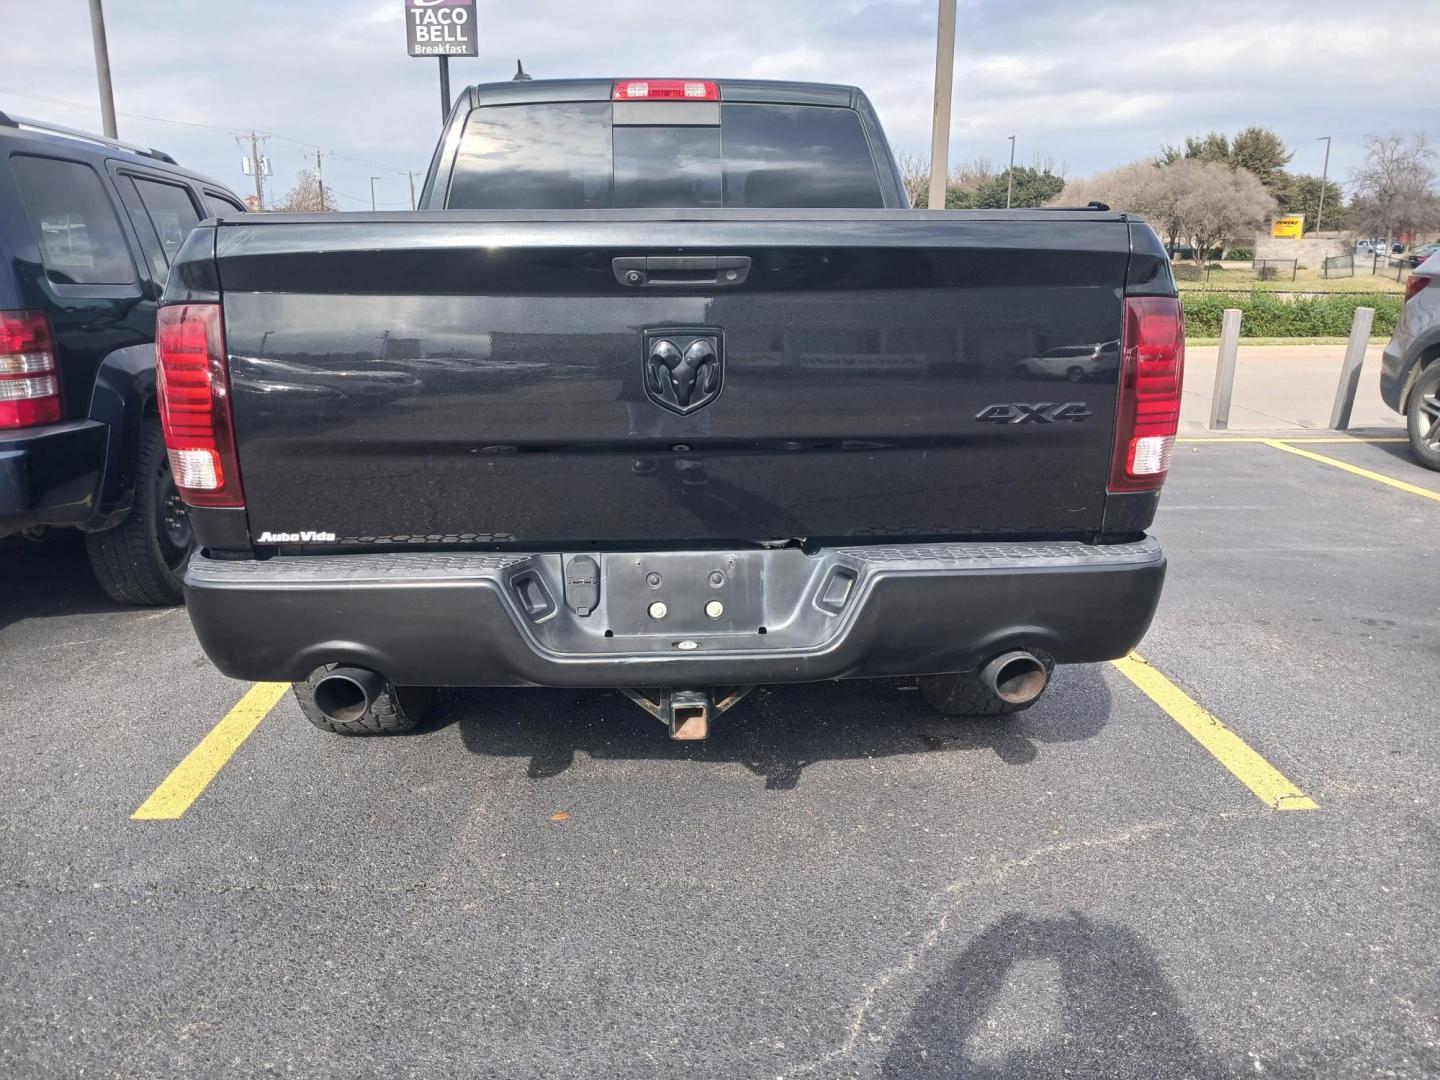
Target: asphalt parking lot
(838,883)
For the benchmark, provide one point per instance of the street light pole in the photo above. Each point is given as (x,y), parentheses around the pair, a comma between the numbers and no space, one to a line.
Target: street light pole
(1324,175)
(372,191)
(1010,175)
(102,69)
(940,121)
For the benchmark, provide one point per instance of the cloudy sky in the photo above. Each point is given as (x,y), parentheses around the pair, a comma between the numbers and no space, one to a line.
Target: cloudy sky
(1089,85)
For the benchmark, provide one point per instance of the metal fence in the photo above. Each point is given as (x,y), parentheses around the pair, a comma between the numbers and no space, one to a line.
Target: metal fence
(1338,266)
(1387,265)
(1273,269)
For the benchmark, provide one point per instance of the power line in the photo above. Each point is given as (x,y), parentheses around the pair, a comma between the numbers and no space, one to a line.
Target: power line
(364,200)
(236,132)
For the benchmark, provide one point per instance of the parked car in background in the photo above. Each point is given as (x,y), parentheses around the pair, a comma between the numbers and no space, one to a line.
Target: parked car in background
(1073,362)
(88,229)
(1410,369)
(1420,254)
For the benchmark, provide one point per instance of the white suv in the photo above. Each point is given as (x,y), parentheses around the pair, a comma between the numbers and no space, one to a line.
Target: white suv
(1410,371)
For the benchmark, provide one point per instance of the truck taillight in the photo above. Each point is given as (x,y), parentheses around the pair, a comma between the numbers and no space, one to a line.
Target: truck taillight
(1415,284)
(1152,368)
(667,90)
(29,382)
(195,405)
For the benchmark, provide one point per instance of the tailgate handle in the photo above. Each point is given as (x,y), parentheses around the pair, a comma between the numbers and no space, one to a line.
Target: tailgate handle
(660,271)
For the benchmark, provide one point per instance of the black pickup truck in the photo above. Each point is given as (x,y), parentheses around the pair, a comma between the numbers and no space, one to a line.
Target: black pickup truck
(666,389)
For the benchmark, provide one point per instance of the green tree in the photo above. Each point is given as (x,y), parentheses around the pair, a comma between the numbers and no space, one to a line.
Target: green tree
(1258,150)
(1033,187)
(976,186)
(1303,197)
(1262,152)
(1211,147)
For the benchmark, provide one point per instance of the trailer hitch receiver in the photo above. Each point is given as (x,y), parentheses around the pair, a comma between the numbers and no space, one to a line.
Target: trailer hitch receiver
(687,713)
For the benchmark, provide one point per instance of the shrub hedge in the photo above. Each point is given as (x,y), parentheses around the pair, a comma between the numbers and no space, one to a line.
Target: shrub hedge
(1268,315)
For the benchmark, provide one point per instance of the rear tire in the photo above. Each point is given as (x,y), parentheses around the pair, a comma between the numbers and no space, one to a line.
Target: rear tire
(1423,417)
(964,693)
(142,560)
(396,709)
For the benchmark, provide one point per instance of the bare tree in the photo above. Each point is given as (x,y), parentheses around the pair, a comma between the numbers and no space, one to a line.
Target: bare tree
(915,175)
(1140,187)
(1218,204)
(1202,202)
(972,175)
(1046,163)
(964,180)
(307,196)
(1395,190)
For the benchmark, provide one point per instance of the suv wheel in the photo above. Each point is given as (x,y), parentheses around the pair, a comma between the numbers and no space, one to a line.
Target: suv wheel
(142,560)
(1423,417)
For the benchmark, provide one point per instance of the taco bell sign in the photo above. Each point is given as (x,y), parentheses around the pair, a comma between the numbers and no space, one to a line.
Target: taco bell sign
(441,28)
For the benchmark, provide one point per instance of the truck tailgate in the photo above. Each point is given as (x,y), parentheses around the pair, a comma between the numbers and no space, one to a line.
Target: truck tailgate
(457,379)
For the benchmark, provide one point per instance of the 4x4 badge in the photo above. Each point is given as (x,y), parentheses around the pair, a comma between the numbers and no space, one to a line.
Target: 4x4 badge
(1042,412)
(684,368)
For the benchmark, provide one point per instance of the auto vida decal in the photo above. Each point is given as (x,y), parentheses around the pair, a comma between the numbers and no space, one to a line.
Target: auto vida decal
(1042,412)
(684,368)
(305,537)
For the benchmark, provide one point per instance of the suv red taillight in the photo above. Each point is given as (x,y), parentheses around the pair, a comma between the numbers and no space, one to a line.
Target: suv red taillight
(1415,284)
(29,383)
(195,405)
(1152,368)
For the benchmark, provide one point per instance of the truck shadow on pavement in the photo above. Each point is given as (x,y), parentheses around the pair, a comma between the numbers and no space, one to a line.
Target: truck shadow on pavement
(1066,996)
(53,577)
(775,733)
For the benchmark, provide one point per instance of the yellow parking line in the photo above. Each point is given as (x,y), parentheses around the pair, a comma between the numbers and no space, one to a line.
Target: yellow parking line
(1267,782)
(1390,481)
(1218,438)
(193,775)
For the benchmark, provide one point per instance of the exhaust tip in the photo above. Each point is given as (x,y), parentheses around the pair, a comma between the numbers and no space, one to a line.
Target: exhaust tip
(344,694)
(1017,677)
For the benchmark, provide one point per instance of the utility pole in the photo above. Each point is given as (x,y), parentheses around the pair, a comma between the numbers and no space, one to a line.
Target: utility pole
(1010,175)
(1324,175)
(102,69)
(320,178)
(255,165)
(372,191)
(944,91)
(412,174)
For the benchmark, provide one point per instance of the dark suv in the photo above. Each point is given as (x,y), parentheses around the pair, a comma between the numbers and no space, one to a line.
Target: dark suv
(88,229)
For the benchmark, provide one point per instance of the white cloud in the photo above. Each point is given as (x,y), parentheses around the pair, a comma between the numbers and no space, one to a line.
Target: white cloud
(1091,86)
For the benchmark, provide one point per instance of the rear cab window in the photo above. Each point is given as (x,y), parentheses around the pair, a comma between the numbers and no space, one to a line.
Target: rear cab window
(171,211)
(163,213)
(217,205)
(590,155)
(75,224)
